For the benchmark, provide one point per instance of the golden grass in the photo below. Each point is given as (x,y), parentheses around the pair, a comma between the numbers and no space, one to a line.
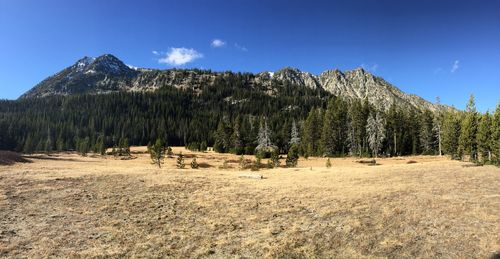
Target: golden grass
(70,206)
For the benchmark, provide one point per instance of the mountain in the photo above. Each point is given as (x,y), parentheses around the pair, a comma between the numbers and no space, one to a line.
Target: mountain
(109,74)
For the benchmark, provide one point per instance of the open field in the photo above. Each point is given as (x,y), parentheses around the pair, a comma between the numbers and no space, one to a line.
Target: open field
(71,206)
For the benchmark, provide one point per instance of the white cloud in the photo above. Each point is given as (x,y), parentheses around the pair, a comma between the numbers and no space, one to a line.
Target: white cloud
(156,52)
(242,48)
(180,56)
(455,66)
(217,43)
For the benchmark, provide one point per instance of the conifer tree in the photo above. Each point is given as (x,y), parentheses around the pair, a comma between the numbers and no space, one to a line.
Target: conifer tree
(427,135)
(292,156)
(28,145)
(336,120)
(100,147)
(264,143)
(375,128)
(48,143)
(467,143)
(157,152)
(236,139)
(221,143)
(451,132)
(484,140)
(495,129)
(294,135)
(311,134)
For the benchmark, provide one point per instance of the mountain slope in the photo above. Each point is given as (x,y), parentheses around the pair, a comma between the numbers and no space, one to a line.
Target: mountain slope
(108,74)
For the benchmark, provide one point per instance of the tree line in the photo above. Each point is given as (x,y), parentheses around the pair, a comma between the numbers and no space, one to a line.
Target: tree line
(231,116)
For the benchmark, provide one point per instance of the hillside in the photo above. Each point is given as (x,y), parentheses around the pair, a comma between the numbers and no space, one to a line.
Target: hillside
(109,74)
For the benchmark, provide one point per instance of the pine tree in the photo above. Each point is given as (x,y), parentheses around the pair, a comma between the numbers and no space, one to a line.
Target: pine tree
(495,136)
(28,145)
(100,147)
(451,132)
(467,143)
(294,135)
(356,128)
(427,135)
(484,137)
(236,139)
(264,144)
(157,152)
(311,134)
(275,158)
(375,130)
(334,132)
(292,156)
(221,143)
(48,143)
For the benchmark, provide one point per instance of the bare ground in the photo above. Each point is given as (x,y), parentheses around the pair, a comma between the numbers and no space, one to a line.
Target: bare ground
(70,206)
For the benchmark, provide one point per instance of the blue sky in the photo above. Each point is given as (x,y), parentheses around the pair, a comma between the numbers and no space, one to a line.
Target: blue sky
(448,49)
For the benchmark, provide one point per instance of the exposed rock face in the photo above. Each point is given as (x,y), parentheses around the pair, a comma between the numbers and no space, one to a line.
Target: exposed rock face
(107,74)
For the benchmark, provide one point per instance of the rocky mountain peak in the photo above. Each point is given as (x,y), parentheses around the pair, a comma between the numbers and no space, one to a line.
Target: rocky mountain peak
(107,73)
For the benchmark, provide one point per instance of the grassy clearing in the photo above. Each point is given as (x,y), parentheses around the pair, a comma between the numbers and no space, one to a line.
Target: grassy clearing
(71,206)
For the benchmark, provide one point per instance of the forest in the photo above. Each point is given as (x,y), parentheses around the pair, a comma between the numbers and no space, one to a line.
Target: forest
(231,116)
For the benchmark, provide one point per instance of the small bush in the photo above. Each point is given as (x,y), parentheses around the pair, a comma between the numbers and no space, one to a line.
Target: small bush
(194,164)
(328,163)
(180,161)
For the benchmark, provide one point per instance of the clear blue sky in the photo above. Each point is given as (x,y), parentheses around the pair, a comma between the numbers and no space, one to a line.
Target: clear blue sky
(431,48)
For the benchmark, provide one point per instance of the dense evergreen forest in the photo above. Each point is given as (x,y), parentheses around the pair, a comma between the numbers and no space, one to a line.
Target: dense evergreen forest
(234,117)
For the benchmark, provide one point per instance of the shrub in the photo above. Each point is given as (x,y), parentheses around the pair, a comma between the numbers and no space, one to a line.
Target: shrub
(180,161)
(328,163)
(194,164)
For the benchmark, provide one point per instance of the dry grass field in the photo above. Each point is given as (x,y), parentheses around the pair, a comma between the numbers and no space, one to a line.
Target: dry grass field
(71,206)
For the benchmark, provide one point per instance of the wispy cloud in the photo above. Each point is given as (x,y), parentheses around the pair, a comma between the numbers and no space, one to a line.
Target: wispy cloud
(180,56)
(455,66)
(372,68)
(217,43)
(242,48)
(155,52)
(438,70)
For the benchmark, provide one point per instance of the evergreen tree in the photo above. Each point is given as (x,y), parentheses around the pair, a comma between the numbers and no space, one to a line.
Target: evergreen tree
(467,143)
(427,135)
(294,135)
(28,145)
(483,137)
(328,163)
(293,156)
(311,134)
(451,132)
(375,129)
(264,144)
(495,136)
(100,147)
(60,145)
(236,139)
(334,133)
(221,143)
(275,158)
(48,144)
(357,128)
(157,152)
